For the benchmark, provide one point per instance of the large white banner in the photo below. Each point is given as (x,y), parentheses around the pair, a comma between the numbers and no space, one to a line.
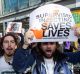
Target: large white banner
(15,27)
(52,22)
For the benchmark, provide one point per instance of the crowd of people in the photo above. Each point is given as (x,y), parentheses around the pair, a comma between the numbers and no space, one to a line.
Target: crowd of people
(19,56)
(35,58)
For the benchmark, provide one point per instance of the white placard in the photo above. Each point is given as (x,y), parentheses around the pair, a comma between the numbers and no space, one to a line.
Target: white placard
(15,27)
(52,22)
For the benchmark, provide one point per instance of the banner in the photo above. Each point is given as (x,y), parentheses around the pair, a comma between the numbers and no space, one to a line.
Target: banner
(52,22)
(15,27)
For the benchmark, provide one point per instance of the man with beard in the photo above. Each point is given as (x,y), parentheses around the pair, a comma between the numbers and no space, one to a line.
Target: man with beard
(43,58)
(50,60)
(8,46)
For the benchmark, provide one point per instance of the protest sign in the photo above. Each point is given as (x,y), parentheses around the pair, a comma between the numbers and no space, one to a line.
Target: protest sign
(52,22)
(15,27)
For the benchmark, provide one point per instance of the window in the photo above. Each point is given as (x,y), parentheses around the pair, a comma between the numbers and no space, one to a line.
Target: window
(6,6)
(9,6)
(34,2)
(13,5)
(23,3)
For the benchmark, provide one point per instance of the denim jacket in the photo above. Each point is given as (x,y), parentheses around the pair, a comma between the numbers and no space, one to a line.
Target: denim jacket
(61,67)
(24,59)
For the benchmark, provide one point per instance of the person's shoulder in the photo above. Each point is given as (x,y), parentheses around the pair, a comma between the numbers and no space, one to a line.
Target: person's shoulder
(1,59)
(71,53)
(22,51)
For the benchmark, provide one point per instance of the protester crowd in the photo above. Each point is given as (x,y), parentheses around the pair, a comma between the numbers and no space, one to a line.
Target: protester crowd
(17,59)
(19,56)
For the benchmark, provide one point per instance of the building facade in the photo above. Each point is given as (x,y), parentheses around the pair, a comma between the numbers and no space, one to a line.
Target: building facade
(19,10)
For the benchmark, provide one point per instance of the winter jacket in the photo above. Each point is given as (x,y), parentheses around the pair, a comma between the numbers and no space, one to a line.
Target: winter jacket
(61,67)
(24,58)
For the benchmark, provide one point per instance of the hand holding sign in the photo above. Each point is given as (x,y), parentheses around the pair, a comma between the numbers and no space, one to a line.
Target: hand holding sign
(38,33)
(28,37)
(52,22)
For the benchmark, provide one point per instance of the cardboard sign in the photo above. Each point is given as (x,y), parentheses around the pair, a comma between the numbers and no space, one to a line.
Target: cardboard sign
(15,27)
(52,22)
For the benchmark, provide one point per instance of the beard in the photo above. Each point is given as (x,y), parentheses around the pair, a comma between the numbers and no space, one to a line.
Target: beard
(47,54)
(9,52)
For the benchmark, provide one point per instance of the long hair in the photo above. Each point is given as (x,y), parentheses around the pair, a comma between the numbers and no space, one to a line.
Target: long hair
(79,40)
(57,56)
(1,42)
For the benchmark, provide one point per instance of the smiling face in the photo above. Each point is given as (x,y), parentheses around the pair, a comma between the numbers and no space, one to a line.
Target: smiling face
(48,49)
(9,45)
